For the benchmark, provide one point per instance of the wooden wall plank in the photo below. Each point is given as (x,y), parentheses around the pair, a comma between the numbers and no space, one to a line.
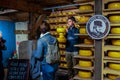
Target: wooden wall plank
(21,5)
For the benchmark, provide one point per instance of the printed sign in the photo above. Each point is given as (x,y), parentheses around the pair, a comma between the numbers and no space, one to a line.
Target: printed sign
(18,69)
(98,27)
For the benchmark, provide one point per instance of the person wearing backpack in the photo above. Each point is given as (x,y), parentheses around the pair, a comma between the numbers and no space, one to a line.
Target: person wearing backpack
(45,43)
(72,39)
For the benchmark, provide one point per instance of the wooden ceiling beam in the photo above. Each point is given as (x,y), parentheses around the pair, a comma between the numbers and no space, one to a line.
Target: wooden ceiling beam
(22,5)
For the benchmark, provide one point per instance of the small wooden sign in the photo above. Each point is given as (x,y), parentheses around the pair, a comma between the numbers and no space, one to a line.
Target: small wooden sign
(18,69)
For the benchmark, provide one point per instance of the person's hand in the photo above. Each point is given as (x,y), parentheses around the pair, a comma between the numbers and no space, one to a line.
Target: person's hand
(66,29)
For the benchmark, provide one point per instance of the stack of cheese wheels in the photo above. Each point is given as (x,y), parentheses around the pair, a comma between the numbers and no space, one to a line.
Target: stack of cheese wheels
(61,38)
(115,66)
(84,74)
(84,52)
(85,63)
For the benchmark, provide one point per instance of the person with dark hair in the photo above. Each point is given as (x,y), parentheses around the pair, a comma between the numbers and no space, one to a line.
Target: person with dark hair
(72,39)
(2,47)
(48,70)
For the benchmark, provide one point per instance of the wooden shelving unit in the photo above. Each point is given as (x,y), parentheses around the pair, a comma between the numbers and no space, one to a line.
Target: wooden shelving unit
(109,47)
(78,78)
(82,45)
(84,57)
(84,68)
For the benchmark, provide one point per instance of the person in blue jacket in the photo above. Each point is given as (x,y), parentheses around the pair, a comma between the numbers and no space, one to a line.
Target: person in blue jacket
(72,39)
(48,70)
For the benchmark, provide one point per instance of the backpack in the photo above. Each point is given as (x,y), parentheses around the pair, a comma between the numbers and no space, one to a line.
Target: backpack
(53,55)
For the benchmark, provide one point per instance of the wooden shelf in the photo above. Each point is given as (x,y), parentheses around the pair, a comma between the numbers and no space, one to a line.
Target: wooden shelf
(114,24)
(110,12)
(106,1)
(67,15)
(112,36)
(57,22)
(84,57)
(106,79)
(83,35)
(111,71)
(76,77)
(62,61)
(62,67)
(109,58)
(111,47)
(110,79)
(114,61)
(84,45)
(81,23)
(62,54)
(83,68)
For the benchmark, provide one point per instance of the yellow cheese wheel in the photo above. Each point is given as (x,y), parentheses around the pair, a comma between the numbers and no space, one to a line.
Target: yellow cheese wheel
(65,65)
(82,30)
(84,74)
(84,63)
(115,30)
(85,7)
(62,46)
(114,5)
(114,18)
(52,14)
(112,76)
(114,54)
(115,66)
(71,13)
(64,59)
(85,52)
(64,13)
(61,64)
(83,19)
(88,41)
(116,42)
(61,30)
(62,40)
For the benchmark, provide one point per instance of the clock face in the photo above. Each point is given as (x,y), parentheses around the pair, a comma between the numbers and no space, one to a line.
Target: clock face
(98,27)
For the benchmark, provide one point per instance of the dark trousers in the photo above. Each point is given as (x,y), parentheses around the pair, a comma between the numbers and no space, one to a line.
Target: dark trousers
(1,71)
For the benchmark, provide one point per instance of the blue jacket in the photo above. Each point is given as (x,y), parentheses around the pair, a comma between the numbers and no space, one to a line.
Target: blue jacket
(42,46)
(37,57)
(42,51)
(72,39)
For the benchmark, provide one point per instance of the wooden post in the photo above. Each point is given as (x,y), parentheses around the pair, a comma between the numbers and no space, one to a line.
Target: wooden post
(98,48)
(34,24)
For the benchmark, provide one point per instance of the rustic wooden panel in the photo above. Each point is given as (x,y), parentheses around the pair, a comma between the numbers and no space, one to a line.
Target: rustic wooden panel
(21,5)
